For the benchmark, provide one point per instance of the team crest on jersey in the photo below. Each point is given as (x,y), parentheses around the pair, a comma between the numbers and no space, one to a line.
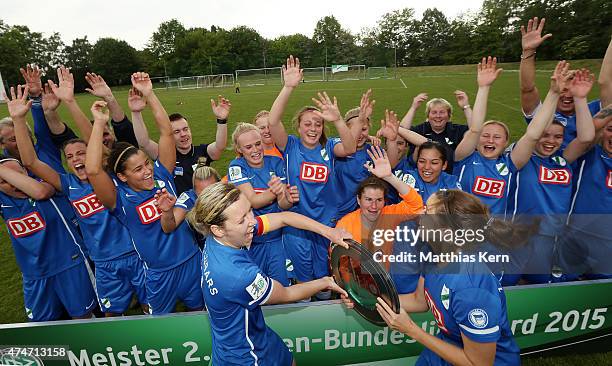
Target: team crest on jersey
(148,212)
(234,173)
(324,154)
(502,168)
(106,302)
(445,297)
(159,184)
(489,187)
(26,225)
(182,198)
(88,205)
(478,318)
(312,172)
(448,141)
(409,179)
(29,313)
(609,180)
(559,160)
(554,176)
(258,287)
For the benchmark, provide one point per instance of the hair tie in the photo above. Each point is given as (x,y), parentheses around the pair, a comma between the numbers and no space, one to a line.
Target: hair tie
(120,156)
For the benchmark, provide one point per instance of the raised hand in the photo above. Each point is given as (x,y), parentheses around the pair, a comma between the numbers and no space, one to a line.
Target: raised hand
(329,109)
(488,71)
(389,126)
(382,167)
(531,38)
(99,88)
(221,108)
(50,101)
(374,141)
(31,75)
(292,74)
(142,83)
(18,105)
(136,102)
(560,79)
(581,84)
(418,100)
(65,90)
(164,200)
(292,194)
(366,106)
(462,98)
(99,111)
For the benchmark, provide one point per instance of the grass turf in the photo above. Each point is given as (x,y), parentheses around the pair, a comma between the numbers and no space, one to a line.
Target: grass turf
(393,94)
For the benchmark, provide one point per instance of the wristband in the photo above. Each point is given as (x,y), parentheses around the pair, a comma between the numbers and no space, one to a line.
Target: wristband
(221,121)
(526,57)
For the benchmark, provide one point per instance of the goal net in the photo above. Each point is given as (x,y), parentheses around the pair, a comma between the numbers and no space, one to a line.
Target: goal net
(263,76)
(314,74)
(215,81)
(346,72)
(377,72)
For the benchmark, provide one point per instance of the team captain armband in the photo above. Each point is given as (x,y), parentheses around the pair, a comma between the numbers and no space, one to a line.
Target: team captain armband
(262,226)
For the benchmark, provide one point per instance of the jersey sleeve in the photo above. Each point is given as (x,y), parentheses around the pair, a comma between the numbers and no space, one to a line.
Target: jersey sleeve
(238,172)
(329,146)
(45,148)
(412,203)
(202,151)
(292,140)
(64,181)
(60,139)
(478,313)
(166,176)
(529,117)
(124,131)
(594,106)
(252,288)
(185,201)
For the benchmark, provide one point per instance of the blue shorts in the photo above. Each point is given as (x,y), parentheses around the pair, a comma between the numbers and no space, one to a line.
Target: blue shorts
(117,280)
(270,257)
(309,253)
(46,298)
(580,253)
(538,268)
(179,283)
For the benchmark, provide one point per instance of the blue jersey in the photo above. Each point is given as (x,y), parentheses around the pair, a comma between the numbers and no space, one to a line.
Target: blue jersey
(104,235)
(401,171)
(543,188)
(568,121)
(312,170)
(234,288)
(186,200)
(137,210)
(488,179)
(466,298)
(239,172)
(349,173)
(46,150)
(445,181)
(45,243)
(591,210)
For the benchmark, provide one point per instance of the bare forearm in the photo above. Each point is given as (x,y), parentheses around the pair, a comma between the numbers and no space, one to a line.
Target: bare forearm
(81,121)
(304,290)
(142,135)
(33,188)
(53,121)
(468,115)
(346,137)
(411,136)
(95,151)
(116,112)
(530,97)
(543,117)
(168,222)
(24,143)
(401,187)
(408,118)
(279,220)
(262,199)
(585,130)
(159,114)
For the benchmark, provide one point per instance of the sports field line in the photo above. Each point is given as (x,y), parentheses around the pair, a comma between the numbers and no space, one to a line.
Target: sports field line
(404,84)
(493,100)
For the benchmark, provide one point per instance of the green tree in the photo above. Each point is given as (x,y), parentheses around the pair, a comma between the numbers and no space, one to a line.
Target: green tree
(247,46)
(433,36)
(115,60)
(398,30)
(78,59)
(339,44)
(296,44)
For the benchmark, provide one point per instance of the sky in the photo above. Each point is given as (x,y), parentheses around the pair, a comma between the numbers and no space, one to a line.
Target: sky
(135,21)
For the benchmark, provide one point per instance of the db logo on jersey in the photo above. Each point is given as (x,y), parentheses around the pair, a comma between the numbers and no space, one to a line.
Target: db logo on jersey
(312,172)
(148,212)
(554,176)
(26,225)
(489,187)
(88,205)
(437,314)
(609,181)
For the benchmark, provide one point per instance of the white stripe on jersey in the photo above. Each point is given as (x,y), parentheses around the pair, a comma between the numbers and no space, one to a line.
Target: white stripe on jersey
(480,331)
(461,173)
(576,193)
(518,180)
(246,334)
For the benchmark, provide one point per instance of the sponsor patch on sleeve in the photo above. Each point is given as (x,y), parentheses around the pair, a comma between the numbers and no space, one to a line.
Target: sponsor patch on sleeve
(258,287)
(234,173)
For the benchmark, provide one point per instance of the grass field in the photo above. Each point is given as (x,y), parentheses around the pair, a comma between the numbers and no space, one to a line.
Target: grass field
(392,94)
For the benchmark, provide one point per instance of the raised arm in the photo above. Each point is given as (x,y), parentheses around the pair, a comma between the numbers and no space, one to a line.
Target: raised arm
(100,89)
(31,75)
(487,74)
(382,169)
(531,39)
(102,183)
(416,103)
(258,200)
(167,147)
(169,220)
(579,87)
(288,218)
(137,104)
(331,113)
(464,103)
(221,109)
(524,147)
(605,78)
(65,92)
(292,76)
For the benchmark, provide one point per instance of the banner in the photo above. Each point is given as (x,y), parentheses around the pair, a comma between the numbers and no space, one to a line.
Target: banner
(542,317)
(339,68)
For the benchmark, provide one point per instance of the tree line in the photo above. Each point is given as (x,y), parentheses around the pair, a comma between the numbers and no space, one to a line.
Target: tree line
(580,28)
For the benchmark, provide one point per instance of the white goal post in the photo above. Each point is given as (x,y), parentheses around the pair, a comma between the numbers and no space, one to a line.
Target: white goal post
(194,82)
(377,72)
(263,76)
(351,72)
(314,74)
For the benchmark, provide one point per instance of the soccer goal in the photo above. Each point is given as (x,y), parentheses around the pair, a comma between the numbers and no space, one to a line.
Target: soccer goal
(314,74)
(377,72)
(215,81)
(346,72)
(263,76)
